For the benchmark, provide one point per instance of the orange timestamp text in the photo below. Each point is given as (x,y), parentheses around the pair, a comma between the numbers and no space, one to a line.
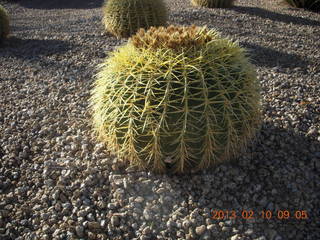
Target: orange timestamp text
(265,214)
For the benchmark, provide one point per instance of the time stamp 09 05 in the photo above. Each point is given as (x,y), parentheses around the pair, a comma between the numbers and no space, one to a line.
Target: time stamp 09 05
(264,214)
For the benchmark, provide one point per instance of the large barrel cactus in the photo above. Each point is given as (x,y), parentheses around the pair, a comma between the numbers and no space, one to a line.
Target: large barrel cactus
(176,99)
(4,23)
(124,18)
(213,3)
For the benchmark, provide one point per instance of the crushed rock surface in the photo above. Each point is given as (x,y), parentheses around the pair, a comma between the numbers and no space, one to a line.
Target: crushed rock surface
(58,182)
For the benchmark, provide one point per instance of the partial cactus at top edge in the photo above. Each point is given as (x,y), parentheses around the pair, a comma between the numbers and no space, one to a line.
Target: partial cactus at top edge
(213,3)
(307,4)
(4,23)
(176,99)
(124,18)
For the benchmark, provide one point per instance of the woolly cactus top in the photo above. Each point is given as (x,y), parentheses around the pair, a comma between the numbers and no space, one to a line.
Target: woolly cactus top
(173,37)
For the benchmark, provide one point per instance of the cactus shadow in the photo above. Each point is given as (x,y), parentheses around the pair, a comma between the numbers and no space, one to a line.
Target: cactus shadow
(30,48)
(259,180)
(268,57)
(266,14)
(267,176)
(61,4)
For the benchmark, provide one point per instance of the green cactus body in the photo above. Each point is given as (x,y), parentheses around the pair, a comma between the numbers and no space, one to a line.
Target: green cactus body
(4,23)
(213,3)
(176,99)
(124,17)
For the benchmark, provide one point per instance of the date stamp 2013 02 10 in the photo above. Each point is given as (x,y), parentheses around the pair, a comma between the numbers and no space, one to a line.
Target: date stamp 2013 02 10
(264,214)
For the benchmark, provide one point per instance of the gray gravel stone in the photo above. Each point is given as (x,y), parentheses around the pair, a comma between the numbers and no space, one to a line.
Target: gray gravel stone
(115,221)
(80,231)
(200,230)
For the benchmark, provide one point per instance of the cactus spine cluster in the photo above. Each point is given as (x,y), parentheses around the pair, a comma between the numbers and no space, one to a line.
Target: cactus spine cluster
(213,3)
(4,23)
(176,99)
(124,18)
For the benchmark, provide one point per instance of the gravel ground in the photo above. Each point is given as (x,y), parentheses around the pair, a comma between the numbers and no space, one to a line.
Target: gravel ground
(57,182)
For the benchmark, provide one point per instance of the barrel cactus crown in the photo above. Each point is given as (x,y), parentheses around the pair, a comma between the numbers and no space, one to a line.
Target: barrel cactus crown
(176,99)
(124,18)
(213,3)
(4,23)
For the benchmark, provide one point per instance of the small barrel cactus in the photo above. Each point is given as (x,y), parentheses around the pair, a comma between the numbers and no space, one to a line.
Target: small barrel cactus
(124,18)
(176,99)
(4,23)
(213,3)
